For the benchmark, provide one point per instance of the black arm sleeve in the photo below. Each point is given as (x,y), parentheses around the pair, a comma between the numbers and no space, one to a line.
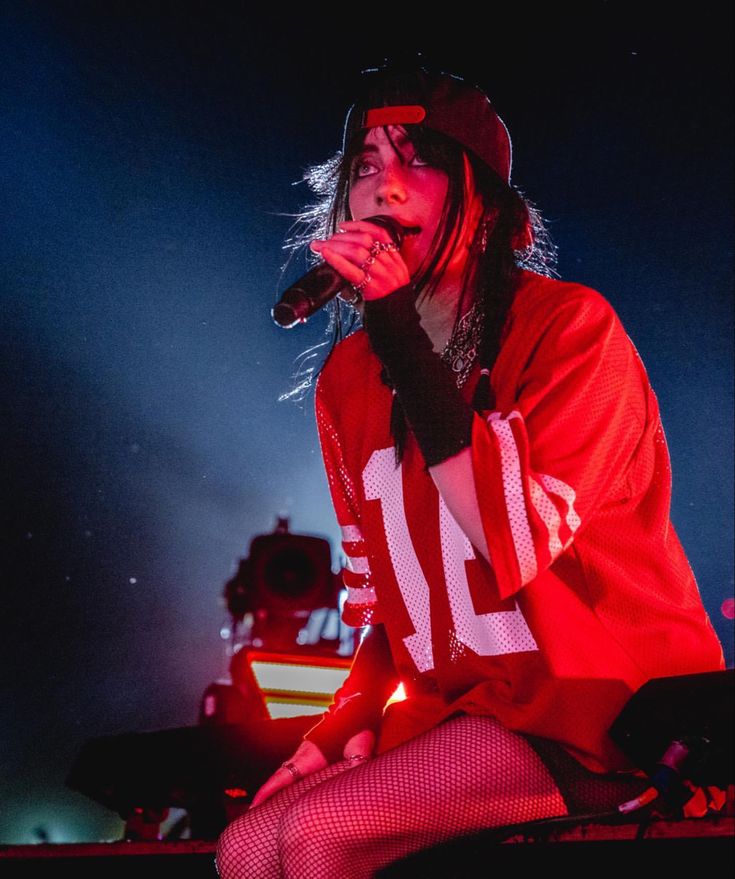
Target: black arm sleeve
(439,417)
(359,702)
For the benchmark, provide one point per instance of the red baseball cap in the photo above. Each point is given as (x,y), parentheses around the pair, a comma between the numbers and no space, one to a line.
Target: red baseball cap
(442,102)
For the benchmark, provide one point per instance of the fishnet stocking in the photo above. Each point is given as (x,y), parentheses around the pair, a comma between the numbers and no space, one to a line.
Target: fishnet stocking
(248,847)
(467,774)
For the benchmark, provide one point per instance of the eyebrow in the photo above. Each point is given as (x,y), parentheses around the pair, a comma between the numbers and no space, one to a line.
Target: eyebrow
(400,142)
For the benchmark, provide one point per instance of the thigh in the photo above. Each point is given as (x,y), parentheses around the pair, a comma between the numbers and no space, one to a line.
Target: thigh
(466,774)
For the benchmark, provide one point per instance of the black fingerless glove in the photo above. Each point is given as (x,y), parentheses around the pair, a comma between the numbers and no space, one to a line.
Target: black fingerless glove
(359,702)
(347,716)
(439,417)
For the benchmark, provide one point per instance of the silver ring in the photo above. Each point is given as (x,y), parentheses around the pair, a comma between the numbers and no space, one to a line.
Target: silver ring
(365,281)
(293,769)
(379,247)
(376,249)
(355,758)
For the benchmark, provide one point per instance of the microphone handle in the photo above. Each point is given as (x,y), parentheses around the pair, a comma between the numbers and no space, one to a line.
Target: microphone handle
(322,283)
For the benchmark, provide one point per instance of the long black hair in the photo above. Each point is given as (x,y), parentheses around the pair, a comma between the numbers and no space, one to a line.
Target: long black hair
(510,237)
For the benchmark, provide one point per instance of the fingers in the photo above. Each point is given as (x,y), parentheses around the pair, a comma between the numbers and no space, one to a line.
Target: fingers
(359,233)
(348,268)
(307,759)
(376,272)
(360,747)
(375,232)
(268,789)
(281,778)
(355,246)
(354,240)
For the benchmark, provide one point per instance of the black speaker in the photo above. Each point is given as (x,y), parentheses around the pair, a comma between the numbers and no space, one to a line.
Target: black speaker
(190,768)
(696,710)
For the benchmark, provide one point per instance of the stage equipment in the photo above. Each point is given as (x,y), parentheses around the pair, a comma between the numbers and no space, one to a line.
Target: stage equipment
(679,730)
(289,650)
(210,771)
(271,598)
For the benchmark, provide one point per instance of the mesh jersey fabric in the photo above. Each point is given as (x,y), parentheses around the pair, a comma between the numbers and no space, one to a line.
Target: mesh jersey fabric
(588,594)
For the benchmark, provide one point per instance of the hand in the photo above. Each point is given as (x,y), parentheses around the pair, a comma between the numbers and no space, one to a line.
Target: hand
(349,253)
(308,759)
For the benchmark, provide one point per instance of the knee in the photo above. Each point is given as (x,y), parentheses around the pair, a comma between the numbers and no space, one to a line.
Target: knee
(297,832)
(228,853)
(308,837)
(236,856)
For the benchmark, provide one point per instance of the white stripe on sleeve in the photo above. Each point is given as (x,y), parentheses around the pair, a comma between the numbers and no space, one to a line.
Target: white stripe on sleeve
(515,500)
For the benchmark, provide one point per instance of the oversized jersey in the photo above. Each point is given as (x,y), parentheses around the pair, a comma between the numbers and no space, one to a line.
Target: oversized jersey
(587,593)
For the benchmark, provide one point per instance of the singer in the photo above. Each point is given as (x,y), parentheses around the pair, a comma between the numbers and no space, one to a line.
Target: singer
(500,475)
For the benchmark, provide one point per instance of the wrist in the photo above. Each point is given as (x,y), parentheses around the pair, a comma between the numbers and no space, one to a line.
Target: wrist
(341,723)
(386,320)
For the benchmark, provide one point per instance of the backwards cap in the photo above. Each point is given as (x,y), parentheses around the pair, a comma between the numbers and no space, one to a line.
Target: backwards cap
(439,101)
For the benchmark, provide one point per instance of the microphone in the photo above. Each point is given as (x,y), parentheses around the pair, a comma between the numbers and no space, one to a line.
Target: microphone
(322,283)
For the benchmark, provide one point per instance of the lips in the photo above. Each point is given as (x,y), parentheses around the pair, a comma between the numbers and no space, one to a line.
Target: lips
(409,228)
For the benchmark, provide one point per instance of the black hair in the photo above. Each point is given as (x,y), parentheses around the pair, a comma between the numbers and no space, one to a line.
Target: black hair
(516,239)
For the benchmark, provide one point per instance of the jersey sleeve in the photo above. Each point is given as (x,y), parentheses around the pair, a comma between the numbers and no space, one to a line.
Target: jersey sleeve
(361,606)
(561,453)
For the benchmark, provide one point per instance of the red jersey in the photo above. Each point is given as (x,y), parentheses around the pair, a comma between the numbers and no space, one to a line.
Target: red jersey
(588,592)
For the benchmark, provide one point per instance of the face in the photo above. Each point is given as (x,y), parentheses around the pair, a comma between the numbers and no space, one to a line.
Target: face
(397,182)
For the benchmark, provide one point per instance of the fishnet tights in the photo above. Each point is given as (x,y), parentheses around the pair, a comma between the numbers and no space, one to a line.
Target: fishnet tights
(464,775)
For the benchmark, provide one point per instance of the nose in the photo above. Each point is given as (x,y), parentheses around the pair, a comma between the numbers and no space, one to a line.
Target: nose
(391,188)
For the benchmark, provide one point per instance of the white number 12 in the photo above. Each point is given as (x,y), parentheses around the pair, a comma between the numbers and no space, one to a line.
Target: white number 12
(487,634)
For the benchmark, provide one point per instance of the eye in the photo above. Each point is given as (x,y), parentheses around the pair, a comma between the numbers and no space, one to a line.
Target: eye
(416,160)
(362,168)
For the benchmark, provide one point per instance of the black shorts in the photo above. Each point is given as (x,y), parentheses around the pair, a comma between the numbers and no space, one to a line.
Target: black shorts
(586,792)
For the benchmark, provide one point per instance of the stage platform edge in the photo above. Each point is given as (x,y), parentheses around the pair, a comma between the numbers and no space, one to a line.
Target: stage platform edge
(573,847)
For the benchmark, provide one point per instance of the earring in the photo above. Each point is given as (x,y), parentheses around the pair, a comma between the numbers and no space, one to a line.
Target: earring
(483,239)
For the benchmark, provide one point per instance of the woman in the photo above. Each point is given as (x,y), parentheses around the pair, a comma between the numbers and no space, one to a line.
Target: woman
(498,469)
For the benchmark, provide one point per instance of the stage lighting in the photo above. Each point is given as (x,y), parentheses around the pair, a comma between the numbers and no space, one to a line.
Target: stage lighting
(283,573)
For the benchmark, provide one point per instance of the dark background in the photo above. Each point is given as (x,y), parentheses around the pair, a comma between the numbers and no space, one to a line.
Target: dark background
(148,153)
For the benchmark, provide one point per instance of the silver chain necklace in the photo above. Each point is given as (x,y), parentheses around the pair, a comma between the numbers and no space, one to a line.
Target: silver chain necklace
(463,347)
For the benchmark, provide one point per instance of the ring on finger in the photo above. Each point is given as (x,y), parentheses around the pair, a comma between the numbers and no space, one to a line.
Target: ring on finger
(293,769)
(365,281)
(376,249)
(379,247)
